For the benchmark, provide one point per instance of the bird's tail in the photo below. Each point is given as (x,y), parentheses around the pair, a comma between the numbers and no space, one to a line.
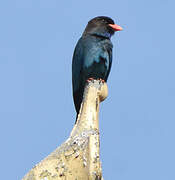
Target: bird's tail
(76,118)
(78,96)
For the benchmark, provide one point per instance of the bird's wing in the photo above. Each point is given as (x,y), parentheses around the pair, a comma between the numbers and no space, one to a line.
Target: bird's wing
(97,52)
(109,52)
(77,65)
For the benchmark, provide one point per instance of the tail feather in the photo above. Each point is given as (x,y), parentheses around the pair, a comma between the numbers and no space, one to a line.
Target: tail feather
(78,97)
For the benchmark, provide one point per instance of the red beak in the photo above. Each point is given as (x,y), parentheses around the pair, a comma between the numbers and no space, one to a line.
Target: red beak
(116,27)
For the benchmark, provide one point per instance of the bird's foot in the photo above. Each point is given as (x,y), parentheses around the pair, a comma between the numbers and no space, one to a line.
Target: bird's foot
(93,79)
(101,81)
(90,79)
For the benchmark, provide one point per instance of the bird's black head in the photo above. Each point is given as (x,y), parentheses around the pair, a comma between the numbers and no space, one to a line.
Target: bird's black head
(101,26)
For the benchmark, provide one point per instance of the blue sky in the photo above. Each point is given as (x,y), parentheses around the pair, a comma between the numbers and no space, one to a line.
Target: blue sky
(37,39)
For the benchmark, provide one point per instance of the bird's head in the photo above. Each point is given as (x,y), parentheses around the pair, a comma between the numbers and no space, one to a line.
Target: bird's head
(102,26)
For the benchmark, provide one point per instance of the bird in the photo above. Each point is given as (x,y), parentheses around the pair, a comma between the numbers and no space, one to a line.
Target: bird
(92,57)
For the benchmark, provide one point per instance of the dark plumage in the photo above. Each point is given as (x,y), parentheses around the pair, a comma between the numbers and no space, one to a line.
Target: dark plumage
(92,55)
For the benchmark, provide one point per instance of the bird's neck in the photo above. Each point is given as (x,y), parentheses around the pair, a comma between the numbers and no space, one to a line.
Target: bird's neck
(102,34)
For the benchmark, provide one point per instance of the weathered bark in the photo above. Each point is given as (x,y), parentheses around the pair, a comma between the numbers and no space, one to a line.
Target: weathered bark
(78,157)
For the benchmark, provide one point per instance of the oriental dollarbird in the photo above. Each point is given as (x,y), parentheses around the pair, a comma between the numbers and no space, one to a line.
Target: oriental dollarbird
(92,56)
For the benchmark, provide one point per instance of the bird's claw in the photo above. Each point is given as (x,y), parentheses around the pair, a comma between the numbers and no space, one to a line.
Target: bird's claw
(90,79)
(101,80)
